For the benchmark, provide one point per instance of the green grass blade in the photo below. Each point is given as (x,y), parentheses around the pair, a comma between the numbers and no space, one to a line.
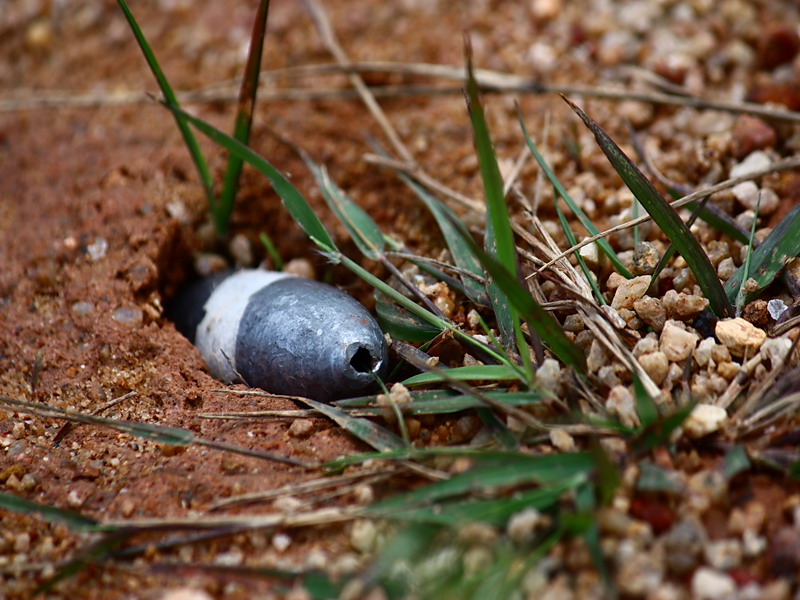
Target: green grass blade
(471,373)
(537,318)
(171,436)
(51,514)
(508,469)
(244,118)
(577,210)
(499,238)
(437,402)
(779,248)
(571,240)
(736,461)
(646,409)
(585,503)
(402,324)
(371,433)
(495,511)
(365,232)
(188,137)
(292,199)
(272,251)
(664,215)
(462,256)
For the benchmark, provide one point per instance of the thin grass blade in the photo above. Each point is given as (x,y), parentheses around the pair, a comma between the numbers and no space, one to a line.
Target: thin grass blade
(470,373)
(244,118)
(499,237)
(778,249)
(169,96)
(577,210)
(400,323)
(371,433)
(365,232)
(51,514)
(512,469)
(664,215)
(571,240)
(292,199)
(460,252)
(495,511)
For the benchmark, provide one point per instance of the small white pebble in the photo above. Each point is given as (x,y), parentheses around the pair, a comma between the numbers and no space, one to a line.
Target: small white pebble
(726,268)
(281,541)
(724,554)
(776,350)
(548,376)
(776,308)
(287,504)
(677,343)
(523,525)
(301,428)
(755,161)
(301,267)
(704,419)
(97,250)
(74,499)
(186,593)
(711,584)
(620,402)
(363,535)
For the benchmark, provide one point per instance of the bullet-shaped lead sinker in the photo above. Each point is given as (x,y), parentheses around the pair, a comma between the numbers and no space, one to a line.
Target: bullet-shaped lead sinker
(284,334)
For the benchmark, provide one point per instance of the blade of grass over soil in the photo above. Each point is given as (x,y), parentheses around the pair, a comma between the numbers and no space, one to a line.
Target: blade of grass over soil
(664,215)
(577,210)
(169,96)
(51,514)
(371,433)
(494,470)
(171,436)
(470,373)
(779,248)
(499,238)
(401,323)
(495,511)
(244,118)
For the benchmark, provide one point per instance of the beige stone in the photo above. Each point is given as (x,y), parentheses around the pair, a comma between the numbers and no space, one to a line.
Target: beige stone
(704,419)
(656,365)
(683,306)
(620,402)
(651,311)
(740,337)
(677,343)
(630,291)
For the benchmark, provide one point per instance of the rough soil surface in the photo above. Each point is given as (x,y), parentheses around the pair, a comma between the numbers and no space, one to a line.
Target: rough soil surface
(101,217)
